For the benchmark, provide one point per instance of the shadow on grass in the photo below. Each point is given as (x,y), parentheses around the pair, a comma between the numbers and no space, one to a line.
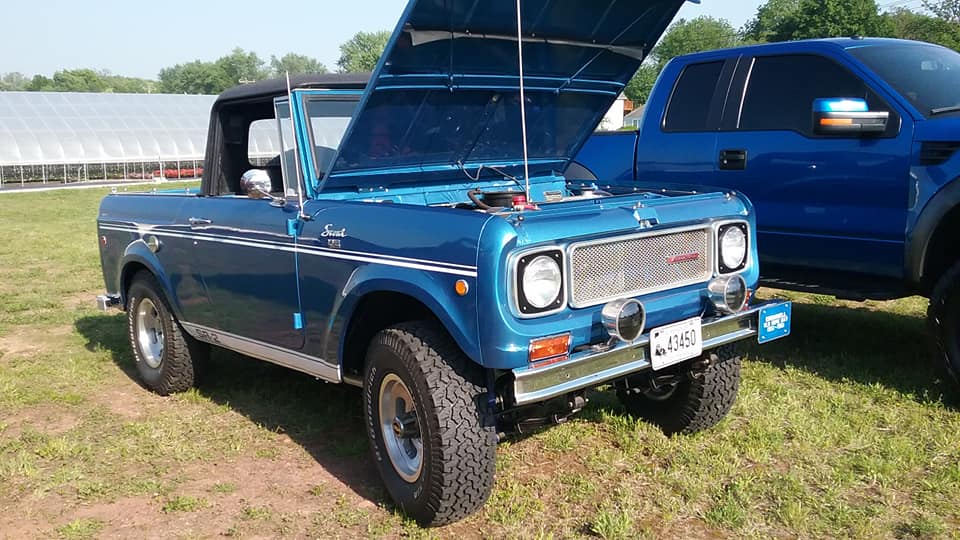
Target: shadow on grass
(863,346)
(325,419)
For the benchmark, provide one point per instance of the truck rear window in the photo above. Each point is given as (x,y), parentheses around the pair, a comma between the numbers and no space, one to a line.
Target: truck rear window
(690,104)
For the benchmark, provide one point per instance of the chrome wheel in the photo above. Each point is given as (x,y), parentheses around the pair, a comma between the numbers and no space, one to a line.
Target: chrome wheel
(149,333)
(401,428)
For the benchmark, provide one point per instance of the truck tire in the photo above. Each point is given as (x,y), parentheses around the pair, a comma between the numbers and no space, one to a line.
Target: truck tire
(943,317)
(167,358)
(697,403)
(428,422)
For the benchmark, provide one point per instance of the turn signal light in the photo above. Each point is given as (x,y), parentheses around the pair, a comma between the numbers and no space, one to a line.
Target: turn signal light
(836,121)
(546,351)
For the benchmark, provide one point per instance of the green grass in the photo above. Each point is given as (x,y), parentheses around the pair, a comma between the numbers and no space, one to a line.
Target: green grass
(840,431)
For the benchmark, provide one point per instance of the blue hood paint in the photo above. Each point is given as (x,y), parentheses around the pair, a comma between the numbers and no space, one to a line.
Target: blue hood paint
(445,98)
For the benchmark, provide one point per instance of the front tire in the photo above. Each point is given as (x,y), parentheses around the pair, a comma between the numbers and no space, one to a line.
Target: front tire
(698,402)
(943,317)
(167,358)
(428,423)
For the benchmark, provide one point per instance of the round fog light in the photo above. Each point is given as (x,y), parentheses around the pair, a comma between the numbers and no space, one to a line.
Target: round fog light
(728,294)
(624,319)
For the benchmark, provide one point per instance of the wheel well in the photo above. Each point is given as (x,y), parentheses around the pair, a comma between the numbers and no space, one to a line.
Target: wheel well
(373,313)
(126,278)
(943,250)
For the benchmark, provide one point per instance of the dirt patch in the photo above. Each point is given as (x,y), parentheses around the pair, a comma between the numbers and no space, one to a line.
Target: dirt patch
(82,300)
(46,418)
(24,341)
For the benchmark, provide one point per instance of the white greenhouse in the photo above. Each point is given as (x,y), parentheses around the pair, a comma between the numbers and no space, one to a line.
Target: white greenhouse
(65,137)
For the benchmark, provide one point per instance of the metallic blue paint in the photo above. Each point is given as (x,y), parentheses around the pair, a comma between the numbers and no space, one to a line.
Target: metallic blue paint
(231,264)
(840,204)
(446,90)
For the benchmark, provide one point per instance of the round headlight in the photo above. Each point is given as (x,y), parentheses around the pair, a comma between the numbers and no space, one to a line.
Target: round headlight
(542,281)
(733,248)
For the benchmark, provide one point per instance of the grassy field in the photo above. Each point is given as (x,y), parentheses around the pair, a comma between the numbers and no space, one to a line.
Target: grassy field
(840,431)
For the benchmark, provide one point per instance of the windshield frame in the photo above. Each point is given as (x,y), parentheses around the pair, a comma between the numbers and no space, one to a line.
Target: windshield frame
(877,59)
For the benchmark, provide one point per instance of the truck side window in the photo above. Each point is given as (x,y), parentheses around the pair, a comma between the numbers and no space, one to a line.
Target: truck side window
(689,105)
(781,91)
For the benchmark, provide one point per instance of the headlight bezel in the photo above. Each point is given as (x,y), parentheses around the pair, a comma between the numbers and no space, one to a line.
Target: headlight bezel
(722,268)
(522,306)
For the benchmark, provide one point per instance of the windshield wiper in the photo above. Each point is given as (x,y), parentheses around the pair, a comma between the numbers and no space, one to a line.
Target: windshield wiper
(945,110)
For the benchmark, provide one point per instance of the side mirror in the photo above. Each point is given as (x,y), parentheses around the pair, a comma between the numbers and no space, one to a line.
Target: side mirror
(847,116)
(256,184)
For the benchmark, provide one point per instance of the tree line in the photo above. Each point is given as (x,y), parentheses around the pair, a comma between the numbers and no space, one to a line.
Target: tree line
(359,54)
(776,20)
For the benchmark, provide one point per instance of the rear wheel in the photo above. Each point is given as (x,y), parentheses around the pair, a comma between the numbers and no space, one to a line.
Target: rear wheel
(697,402)
(428,424)
(166,357)
(943,316)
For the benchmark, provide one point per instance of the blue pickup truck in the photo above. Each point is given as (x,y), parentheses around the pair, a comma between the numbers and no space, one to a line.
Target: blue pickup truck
(414,237)
(849,148)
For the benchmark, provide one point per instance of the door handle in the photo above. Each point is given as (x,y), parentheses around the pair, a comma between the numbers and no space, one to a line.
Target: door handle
(196,222)
(733,160)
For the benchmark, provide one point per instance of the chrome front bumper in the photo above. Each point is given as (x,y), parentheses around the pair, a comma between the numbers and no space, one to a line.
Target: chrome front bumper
(588,369)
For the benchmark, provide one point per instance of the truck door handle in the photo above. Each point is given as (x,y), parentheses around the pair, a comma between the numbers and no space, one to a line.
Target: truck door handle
(733,160)
(196,222)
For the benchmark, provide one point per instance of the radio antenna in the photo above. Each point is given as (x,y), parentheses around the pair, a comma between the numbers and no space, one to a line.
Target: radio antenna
(523,103)
(296,153)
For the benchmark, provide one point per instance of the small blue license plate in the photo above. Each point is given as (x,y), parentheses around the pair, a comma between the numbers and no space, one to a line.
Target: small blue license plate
(775,322)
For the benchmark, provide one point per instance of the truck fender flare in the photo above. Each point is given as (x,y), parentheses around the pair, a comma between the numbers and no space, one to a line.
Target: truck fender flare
(441,303)
(918,241)
(139,254)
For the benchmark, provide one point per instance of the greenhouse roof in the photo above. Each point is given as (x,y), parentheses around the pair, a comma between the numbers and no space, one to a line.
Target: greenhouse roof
(71,128)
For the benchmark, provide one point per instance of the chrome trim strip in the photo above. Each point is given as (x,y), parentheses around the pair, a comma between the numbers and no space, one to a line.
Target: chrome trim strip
(310,365)
(374,258)
(712,249)
(589,369)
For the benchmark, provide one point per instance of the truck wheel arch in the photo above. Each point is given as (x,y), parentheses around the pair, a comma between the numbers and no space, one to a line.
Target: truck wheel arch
(138,257)
(377,306)
(930,252)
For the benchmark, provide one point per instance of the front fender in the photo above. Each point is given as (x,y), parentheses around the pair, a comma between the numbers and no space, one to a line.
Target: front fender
(436,291)
(921,234)
(137,254)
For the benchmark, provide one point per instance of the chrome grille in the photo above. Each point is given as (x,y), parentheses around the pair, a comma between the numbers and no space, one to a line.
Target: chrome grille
(634,266)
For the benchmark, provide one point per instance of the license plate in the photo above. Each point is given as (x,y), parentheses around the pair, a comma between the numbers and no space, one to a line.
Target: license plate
(675,343)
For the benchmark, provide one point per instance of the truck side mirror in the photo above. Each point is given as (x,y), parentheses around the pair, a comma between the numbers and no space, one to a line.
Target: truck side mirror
(256,184)
(847,116)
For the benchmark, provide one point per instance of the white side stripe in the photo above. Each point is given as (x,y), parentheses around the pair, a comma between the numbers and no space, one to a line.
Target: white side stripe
(416,264)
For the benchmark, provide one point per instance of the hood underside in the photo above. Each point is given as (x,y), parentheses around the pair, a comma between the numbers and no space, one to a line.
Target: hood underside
(445,96)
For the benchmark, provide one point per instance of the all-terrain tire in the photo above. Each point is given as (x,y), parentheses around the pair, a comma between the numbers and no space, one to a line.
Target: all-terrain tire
(697,403)
(456,430)
(176,366)
(943,318)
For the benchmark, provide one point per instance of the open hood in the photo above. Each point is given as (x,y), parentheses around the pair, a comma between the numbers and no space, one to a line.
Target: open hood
(445,98)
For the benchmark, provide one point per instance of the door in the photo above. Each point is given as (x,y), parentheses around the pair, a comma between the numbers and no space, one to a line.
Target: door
(242,246)
(829,202)
(680,149)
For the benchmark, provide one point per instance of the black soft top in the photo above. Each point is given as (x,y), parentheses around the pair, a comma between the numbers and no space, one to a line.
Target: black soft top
(278,87)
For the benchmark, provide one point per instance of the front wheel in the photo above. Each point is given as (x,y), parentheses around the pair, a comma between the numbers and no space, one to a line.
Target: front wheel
(943,316)
(698,402)
(428,423)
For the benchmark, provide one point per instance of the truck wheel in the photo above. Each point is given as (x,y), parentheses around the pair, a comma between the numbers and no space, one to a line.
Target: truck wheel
(426,415)
(695,404)
(943,316)
(166,357)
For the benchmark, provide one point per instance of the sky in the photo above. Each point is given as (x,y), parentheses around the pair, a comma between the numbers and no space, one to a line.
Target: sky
(138,39)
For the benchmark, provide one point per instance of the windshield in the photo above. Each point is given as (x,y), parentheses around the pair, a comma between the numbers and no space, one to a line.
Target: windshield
(927,75)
